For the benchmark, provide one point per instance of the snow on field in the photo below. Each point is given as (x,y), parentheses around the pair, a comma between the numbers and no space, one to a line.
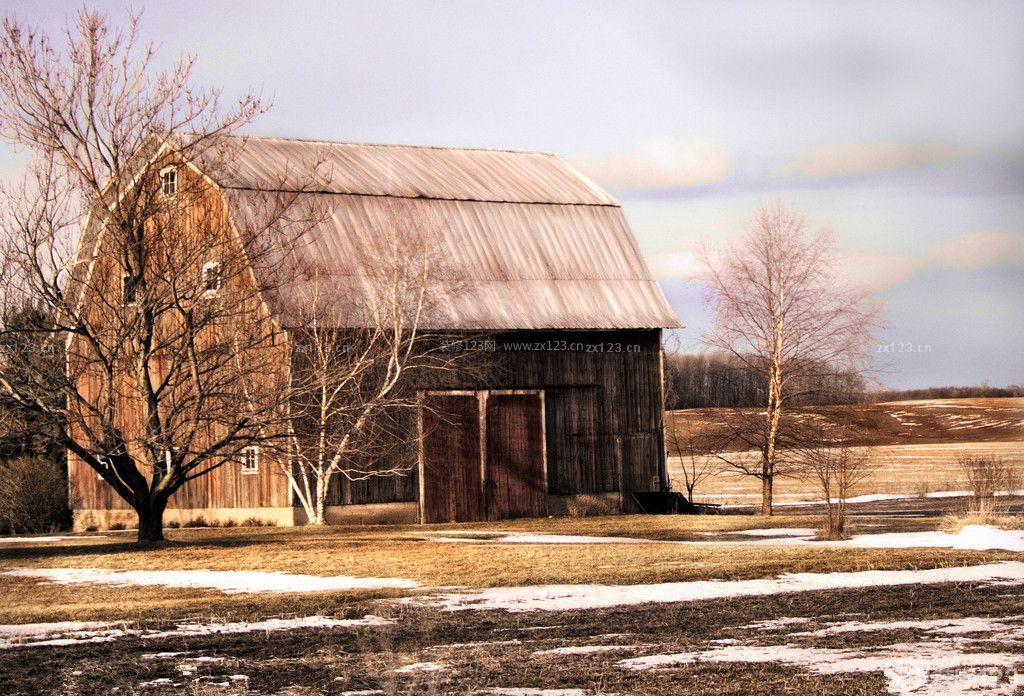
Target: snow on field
(227,581)
(501,691)
(75,633)
(44,539)
(516,538)
(974,537)
(573,597)
(954,656)
(589,649)
(774,532)
(909,668)
(421,667)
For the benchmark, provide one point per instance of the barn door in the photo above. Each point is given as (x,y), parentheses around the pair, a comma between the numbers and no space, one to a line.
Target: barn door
(451,475)
(515,479)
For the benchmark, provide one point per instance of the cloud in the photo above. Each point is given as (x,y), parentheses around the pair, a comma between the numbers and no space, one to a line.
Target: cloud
(680,264)
(980,250)
(874,272)
(852,159)
(659,164)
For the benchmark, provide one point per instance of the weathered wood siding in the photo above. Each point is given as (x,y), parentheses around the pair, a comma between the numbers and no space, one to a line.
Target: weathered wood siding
(452,477)
(515,483)
(603,410)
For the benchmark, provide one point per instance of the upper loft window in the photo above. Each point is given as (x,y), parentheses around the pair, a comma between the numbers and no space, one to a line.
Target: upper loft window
(212,278)
(169,181)
(251,460)
(129,289)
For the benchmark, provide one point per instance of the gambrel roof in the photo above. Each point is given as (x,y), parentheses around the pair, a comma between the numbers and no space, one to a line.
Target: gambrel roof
(534,244)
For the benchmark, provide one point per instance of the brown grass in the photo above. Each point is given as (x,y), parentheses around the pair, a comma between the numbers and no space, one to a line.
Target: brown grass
(401,552)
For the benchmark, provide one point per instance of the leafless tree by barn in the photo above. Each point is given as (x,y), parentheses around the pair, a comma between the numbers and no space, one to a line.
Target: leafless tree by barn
(696,452)
(362,342)
(835,469)
(785,313)
(159,388)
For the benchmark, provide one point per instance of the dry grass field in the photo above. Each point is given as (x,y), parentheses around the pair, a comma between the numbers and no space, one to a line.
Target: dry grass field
(915,603)
(413,645)
(913,446)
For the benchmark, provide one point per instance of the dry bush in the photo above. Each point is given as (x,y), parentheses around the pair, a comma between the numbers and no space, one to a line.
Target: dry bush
(987,476)
(33,495)
(835,469)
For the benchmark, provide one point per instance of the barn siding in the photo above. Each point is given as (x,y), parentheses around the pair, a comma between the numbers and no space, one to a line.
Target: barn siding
(603,412)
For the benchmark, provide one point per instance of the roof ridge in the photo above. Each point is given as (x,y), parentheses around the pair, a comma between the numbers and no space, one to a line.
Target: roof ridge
(321,192)
(355,143)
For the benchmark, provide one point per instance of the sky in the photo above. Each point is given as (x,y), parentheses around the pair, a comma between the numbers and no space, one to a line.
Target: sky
(900,126)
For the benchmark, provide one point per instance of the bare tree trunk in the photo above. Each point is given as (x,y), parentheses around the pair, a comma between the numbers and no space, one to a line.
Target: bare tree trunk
(321,501)
(151,519)
(767,481)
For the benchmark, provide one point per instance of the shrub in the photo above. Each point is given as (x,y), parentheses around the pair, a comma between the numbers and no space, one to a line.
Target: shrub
(257,522)
(173,524)
(230,523)
(33,495)
(987,476)
(196,522)
(117,527)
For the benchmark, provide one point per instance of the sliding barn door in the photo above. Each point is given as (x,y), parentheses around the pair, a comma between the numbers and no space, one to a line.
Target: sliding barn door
(452,473)
(515,482)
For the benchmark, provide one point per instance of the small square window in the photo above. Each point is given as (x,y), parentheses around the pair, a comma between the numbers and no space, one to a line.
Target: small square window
(213,276)
(166,460)
(251,460)
(169,181)
(129,290)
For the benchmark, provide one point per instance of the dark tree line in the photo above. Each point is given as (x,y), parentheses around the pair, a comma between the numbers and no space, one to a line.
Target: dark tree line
(708,380)
(719,380)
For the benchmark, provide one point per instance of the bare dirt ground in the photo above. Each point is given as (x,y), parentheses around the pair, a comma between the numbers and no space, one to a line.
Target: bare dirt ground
(913,638)
(913,446)
(426,651)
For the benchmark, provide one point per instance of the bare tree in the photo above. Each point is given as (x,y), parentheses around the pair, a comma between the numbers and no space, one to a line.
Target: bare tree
(697,450)
(158,311)
(785,314)
(835,469)
(987,476)
(358,353)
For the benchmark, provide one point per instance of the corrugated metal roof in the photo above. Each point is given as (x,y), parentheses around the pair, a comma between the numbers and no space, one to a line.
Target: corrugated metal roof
(408,171)
(532,244)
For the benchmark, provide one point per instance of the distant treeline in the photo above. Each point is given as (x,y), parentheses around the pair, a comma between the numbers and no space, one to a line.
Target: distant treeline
(708,380)
(978,392)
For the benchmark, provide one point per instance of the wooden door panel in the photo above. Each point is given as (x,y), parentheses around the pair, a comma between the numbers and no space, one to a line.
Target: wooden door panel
(451,459)
(515,481)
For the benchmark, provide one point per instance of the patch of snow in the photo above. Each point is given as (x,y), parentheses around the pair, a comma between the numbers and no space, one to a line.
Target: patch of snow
(518,538)
(776,531)
(44,539)
(421,667)
(970,538)
(75,633)
(162,681)
(226,581)
(573,597)
(501,691)
(188,630)
(776,624)
(588,649)
(1010,626)
(908,668)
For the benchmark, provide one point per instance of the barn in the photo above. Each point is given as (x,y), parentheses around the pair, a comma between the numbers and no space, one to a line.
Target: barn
(569,418)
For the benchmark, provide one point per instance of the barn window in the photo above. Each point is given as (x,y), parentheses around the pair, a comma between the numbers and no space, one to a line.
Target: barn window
(213,276)
(129,289)
(251,460)
(169,181)
(165,459)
